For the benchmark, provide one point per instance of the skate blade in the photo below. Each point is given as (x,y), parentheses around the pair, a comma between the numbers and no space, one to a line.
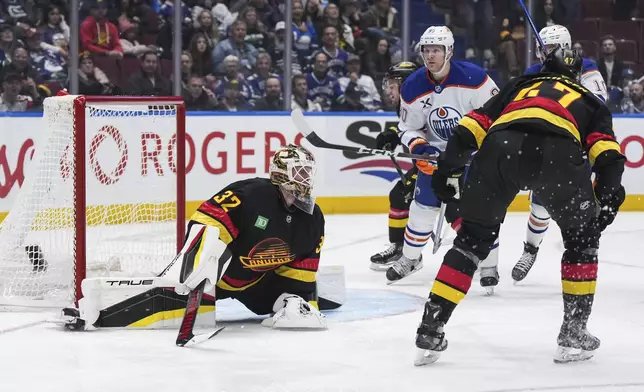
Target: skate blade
(380,267)
(489,291)
(568,355)
(426,357)
(389,282)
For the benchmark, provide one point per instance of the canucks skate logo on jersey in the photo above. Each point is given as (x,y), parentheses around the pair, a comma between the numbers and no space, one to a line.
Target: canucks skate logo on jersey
(267,255)
(443,120)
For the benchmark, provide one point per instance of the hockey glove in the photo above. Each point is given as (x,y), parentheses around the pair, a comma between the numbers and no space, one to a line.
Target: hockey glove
(446,182)
(388,139)
(609,206)
(422,147)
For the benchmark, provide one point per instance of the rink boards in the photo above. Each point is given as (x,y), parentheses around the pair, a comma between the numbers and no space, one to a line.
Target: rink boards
(227,147)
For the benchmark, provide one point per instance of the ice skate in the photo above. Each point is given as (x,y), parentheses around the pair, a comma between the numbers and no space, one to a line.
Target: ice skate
(525,263)
(383,260)
(575,347)
(489,279)
(403,267)
(430,338)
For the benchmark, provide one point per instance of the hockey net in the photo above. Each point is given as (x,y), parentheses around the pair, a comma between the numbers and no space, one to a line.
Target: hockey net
(112,208)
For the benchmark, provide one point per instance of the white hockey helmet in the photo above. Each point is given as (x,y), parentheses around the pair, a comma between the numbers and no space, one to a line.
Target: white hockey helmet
(438,35)
(554,35)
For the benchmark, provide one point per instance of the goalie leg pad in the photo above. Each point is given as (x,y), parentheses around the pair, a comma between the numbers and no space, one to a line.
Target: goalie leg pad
(292,312)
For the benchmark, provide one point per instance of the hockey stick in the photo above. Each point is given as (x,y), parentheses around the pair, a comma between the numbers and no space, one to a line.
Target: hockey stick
(305,129)
(438,231)
(542,46)
(186,335)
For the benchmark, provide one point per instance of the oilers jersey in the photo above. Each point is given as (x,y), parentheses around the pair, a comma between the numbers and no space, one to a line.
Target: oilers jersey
(432,110)
(591,78)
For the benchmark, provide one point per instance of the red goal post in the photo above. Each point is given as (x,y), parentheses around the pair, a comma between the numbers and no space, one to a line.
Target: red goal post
(92,210)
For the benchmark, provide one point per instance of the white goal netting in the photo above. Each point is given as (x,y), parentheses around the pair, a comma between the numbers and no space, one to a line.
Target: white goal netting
(130,193)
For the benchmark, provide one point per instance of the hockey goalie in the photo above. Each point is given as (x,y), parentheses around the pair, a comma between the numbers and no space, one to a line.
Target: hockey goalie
(257,241)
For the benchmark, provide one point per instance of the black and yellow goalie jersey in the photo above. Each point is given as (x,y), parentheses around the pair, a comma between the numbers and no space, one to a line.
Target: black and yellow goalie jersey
(544,102)
(264,237)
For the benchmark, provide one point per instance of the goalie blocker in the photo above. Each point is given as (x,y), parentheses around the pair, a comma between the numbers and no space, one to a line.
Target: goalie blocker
(257,241)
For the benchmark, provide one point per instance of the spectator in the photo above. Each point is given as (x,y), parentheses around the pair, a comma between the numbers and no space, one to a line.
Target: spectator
(305,39)
(360,91)
(269,14)
(609,65)
(148,81)
(30,76)
(378,62)
(11,100)
(546,15)
(314,13)
(508,57)
(236,46)
(337,57)
(255,29)
(206,25)
(91,80)
(299,98)
(98,35)
(165,41)
(167,9)
(579,48)
(199,6)
(197,96)
(272,100)
(231,64)
(54,23)
(276,50)
(257,81)
(381,20)
(7,43)
(143,14)
(570,10)
(16,13)
(46,59)
(186,68)
(350,16)
(324,89)
(202,58)
(131,45)
(231,101)
(224,18)
(634,104)
(345,34)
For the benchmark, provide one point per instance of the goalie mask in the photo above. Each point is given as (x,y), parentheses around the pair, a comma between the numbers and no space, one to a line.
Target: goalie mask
(293,170)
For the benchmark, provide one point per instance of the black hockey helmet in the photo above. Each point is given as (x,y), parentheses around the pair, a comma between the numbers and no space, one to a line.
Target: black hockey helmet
(567,62)
(399,72)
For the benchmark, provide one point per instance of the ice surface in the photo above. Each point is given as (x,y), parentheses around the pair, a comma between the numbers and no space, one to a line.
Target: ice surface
(502,343)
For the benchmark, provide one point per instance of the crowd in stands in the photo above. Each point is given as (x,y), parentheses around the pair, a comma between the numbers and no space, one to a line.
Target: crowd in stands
(233,56)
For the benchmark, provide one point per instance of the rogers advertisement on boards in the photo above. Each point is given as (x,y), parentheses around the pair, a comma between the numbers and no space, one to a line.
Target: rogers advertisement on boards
(125,154)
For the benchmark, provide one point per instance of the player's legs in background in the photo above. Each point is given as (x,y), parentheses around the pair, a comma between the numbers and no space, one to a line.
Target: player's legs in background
(489,190)
(422,216)
(400,198)
(537,226)
(574,208)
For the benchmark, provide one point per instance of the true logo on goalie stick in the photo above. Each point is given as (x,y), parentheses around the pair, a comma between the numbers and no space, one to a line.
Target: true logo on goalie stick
(139,282)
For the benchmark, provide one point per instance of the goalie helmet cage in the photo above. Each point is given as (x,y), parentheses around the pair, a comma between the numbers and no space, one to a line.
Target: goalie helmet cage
(87,207)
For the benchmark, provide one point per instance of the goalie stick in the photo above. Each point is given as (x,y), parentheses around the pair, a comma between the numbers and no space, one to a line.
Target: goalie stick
(305,129)
(186,335)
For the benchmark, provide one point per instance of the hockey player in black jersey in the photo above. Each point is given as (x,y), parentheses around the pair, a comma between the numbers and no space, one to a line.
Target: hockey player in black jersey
(257,241)
(539,133)
(401,194)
